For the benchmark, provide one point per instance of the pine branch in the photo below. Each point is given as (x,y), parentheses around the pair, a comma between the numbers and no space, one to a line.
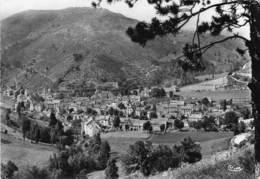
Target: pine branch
(208,46)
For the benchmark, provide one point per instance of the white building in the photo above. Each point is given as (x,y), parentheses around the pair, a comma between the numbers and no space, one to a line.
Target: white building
(90,127)
(195,117)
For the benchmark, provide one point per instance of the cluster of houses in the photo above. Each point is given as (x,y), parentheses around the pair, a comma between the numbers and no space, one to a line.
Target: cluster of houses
(92,114)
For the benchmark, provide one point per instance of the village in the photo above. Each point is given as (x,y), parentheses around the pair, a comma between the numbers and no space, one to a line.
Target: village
(89,111)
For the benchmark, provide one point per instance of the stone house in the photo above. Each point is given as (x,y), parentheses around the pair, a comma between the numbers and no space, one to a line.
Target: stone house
(90,127)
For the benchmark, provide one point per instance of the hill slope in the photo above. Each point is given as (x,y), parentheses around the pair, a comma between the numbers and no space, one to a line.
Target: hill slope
(42,48)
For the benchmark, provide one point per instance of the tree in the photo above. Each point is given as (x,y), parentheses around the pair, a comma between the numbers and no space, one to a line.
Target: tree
(223,104)
(136,155)
(178,124)
(160,159)
(18,109)
(8,169)
(71,110)
(31,172)
(77,162)
(196,124)
(162,127)
(112,111)
(153,115)
(77,57)
(35,132)
(60,96)
(45,135)
(99,151)
(149,159)
(209,123)
(147,126)
(230,119)
(104,154)
(71,162)
(189,150)
(171,94)
(26,124)
(158,92)
(205,101)
(80,111)
(121,106)
(116,122)
(111,169)
(82,174)
(53,119)
(241,127)
(7,116)
(143,115)
(53,137)
(230,15)
(244,112)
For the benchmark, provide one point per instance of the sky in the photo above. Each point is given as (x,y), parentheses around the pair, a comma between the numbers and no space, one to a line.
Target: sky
(141,11)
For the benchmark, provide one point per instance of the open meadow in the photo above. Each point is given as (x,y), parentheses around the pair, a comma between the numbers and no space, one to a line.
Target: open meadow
(210,141)
(198,136)
(23,152)
(218,95)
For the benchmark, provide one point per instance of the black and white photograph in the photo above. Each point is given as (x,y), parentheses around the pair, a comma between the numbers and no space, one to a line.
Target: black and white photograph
(130,89)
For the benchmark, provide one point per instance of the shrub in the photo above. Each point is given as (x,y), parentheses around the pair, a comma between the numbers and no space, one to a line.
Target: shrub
(147,126)
(116,122)
(77,57)
(111,169)
(158,92)
(79,161)
(162,127)
(248,162)
(230,118)
(8,169)
(99,151)
(161,158)
(26,124)
(205,101)
(136,155)
(196,124)
(223,104)
(149,160)
(178,124)
(189,150)
(121,106)
(45,135)
(32,172)
(209,124)
(153,114)
(82,174)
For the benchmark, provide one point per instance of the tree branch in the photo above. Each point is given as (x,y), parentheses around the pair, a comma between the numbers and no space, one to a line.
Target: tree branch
(209,7)
(207,47)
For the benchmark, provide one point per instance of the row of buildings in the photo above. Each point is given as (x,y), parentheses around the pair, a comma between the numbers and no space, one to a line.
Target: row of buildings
(134,109)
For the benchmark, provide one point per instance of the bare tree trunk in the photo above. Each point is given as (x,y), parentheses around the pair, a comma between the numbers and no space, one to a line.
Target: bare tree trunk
(254,51)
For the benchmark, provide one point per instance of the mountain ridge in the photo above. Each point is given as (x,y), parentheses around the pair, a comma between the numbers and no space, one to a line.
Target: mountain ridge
(86,44)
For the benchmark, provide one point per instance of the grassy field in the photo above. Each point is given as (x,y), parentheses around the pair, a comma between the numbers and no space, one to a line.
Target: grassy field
(199,136)
(23,152)
(210,141)
(209,76)
(218,95)
(212,146)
